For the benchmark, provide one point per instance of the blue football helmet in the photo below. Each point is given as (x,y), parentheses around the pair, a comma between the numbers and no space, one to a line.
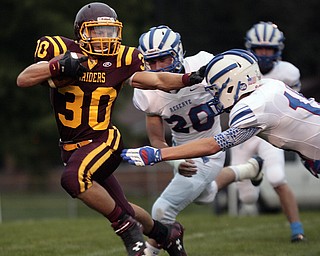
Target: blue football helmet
(230,75)
(159,42)
(265,35)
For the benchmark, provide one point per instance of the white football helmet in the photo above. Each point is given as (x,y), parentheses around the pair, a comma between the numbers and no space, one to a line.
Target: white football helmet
(265,35)
(230,75)
(161,41)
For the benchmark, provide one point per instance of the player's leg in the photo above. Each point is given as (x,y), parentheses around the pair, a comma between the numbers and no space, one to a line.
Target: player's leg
(87,181)
(248,196)
(166,236)
(214,166)
(275,174)
(182,191)
(79,182)
(249,170)
(121,216)
(247,193)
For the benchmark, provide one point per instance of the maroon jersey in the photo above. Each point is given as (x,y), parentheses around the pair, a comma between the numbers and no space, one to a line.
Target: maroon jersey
(83,109)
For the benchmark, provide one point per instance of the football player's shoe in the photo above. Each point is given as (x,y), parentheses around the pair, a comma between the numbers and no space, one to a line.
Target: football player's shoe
(313,166)
(257,161)
(174,242)
(298,238)
(131,233)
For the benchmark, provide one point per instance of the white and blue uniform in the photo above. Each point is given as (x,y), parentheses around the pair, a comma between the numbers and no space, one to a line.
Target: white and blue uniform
(274,162)
(282,116)
(189,118)
(279,115)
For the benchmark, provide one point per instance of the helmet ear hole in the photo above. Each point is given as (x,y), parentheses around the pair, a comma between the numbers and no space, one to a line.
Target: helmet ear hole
(230,89)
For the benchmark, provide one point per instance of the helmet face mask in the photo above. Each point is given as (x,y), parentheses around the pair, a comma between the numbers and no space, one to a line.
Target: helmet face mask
(100,38)
(162,63)
(265,35)
(231,75)
(97,30)
(161,42)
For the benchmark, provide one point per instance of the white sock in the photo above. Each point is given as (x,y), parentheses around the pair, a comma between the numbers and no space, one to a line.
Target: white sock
(248,170)
(151,250)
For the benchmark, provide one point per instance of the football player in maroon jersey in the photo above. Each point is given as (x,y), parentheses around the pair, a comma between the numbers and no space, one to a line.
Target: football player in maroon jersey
(90,144)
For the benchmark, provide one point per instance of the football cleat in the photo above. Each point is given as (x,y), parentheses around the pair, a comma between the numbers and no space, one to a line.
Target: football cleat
(131,234)
(313,166)
(298,238)
(257,161)
(174,241)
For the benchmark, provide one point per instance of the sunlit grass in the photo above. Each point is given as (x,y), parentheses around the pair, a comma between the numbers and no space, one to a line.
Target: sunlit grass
(205,234)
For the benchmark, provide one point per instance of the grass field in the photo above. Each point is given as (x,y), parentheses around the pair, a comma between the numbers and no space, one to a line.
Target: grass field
(206,234)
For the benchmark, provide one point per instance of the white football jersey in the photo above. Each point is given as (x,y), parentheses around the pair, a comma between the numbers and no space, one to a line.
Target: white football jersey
(285,72)
(185,111)
(287,119)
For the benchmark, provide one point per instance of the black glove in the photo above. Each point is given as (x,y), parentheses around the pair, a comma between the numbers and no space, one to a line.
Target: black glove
(195,77)
(71,67)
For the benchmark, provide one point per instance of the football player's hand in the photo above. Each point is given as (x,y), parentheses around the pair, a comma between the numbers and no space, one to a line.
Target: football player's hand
(142,156)
(187,168)
(195,77)
(71,67)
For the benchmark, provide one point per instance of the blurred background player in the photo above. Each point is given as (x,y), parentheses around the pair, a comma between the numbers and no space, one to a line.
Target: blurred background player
(90,144)
(188,116)
(265,41)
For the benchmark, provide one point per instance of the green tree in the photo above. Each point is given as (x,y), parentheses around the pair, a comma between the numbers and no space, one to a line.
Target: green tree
(28,133)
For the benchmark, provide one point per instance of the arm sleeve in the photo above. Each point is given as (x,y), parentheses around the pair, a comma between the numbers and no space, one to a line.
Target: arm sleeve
(234,136)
